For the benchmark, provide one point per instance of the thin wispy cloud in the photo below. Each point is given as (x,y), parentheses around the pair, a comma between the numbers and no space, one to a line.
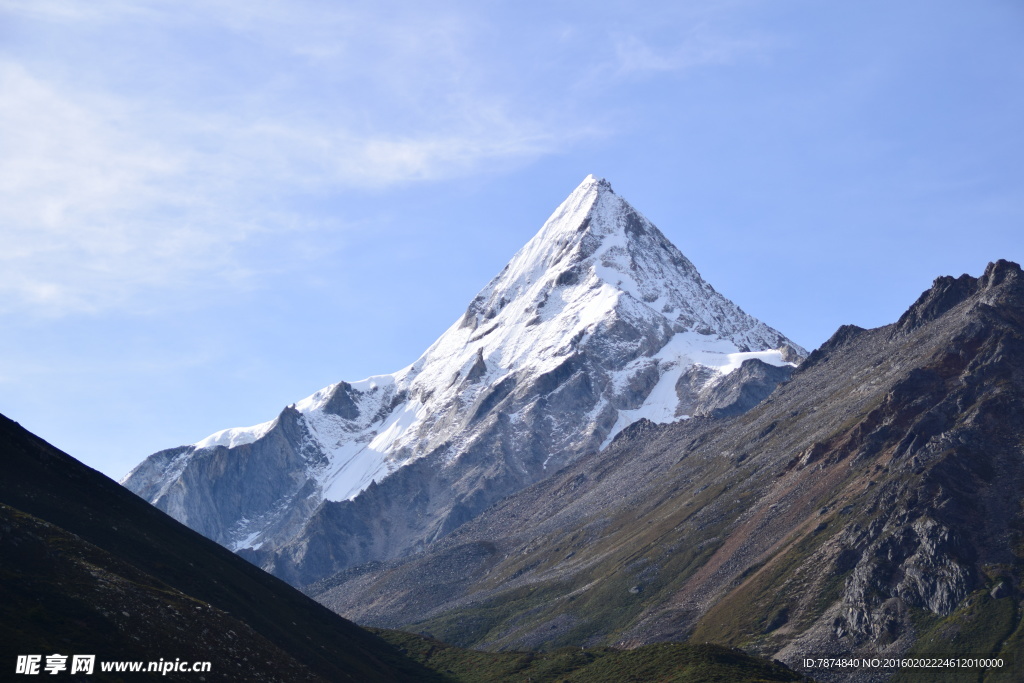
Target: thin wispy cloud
(63,10)
(146,169)
(699,48)
(96,209)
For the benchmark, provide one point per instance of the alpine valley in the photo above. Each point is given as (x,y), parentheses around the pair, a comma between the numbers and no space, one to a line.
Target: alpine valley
(605,451)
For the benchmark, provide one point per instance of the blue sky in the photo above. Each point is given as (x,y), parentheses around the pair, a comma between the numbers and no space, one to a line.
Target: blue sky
(209,210)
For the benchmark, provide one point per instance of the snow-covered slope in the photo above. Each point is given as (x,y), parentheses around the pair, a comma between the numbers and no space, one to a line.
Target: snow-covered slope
(597,322)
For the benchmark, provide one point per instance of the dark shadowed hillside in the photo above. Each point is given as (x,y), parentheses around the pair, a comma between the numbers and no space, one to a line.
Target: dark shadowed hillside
(90,568)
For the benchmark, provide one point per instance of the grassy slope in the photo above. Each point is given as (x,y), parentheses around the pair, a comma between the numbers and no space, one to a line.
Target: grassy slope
(663,662)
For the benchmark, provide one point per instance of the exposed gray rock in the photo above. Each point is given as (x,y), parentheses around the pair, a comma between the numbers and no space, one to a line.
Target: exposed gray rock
(742,389)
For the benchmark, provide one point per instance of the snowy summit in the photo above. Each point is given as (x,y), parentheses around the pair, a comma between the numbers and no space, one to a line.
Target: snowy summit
(596,322)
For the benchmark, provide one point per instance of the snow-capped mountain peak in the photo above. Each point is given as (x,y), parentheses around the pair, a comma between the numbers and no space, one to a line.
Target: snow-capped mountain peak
(596,322)
(595,261)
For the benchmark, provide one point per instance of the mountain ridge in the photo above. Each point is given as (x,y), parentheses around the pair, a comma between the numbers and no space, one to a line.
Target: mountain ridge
(869,505)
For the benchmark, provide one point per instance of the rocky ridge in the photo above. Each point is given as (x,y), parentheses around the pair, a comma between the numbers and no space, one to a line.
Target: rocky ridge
(870,505)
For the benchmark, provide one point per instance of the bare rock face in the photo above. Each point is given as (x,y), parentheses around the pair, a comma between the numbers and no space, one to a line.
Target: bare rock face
(869,506)
(590,327)
(739,391)
(923,564)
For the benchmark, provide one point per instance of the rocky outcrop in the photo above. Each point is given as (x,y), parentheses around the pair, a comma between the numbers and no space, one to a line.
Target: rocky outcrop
(741,390)
(921,564)
(947,292)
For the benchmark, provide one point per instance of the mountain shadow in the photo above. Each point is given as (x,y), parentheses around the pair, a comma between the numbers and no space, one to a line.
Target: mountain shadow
(89,568)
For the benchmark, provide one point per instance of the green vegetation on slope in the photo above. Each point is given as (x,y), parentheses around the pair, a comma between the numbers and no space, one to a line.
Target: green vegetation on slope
(660,663)
(983,626)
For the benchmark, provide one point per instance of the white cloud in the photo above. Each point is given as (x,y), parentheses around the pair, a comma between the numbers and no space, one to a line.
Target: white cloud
(200,122)
(85,201)
(105,200)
